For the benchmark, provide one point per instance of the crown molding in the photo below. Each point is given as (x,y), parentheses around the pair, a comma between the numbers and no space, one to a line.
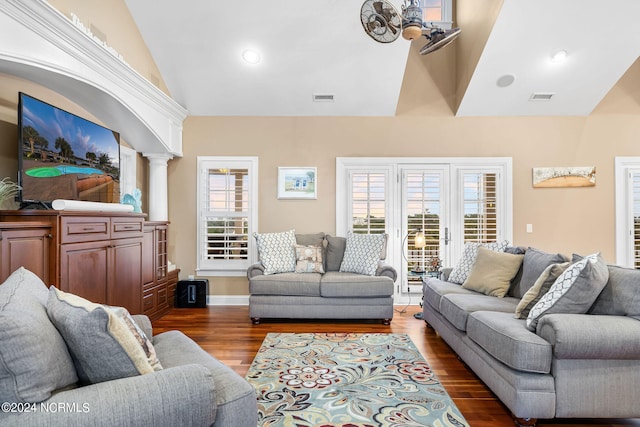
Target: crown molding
(49,42)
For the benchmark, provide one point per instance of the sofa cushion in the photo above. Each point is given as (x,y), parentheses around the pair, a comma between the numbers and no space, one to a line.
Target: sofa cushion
(362,253)
(539,288)
(339,285)
(309,259)
(286,284)
(621,295)
(492,272)
(102,346)
(469,253)
(533,264)
(457,307)
(315,239)
(574,291)
(34,360)
(434,289)
(508,340)
(334,252)
(276,251)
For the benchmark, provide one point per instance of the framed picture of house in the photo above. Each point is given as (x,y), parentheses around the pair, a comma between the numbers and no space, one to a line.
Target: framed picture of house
(297,183)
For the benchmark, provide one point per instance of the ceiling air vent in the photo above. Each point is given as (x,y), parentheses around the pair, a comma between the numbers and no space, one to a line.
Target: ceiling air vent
(322,97)
(541,96)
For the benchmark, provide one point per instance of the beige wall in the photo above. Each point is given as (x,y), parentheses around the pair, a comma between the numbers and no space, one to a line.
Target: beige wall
(566,220)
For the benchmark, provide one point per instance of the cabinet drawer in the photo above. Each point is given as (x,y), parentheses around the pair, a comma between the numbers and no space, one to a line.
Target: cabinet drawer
(126,227)
(148,303)
(83,229)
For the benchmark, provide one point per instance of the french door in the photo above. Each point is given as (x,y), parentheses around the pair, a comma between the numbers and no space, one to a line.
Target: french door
(428,207)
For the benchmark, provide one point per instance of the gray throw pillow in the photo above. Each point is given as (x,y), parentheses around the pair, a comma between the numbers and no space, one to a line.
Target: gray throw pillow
(334,252)
(621,295)
(101,344)
(34,360)
(574,291)
(533,264)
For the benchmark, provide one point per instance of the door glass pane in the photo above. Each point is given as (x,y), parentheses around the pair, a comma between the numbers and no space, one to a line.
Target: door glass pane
(635,184)
(479,203)
(423,193)
(368,203)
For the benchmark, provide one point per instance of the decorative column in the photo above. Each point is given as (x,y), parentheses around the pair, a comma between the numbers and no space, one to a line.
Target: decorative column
(158,195)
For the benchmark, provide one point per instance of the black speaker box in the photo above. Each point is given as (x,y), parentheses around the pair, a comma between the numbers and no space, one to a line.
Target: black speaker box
(192,293)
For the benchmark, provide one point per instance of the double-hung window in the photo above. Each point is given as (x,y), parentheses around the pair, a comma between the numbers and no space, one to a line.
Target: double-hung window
(227,214)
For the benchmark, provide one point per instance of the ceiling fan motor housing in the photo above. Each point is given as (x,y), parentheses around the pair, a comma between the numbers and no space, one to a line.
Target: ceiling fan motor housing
(411,21)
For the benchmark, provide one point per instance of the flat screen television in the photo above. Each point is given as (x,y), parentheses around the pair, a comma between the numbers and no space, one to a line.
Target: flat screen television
(63,156)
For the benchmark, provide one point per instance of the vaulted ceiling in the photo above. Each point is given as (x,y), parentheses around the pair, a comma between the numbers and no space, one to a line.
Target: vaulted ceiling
(503,61)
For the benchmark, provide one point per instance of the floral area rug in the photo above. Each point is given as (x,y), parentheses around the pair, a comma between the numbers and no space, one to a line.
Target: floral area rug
(355,380)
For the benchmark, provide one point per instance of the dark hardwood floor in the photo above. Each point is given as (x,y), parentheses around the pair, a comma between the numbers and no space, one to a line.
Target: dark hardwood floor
(227,333)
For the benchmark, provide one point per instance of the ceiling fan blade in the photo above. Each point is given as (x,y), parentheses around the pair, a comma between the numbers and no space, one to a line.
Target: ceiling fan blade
(439,39)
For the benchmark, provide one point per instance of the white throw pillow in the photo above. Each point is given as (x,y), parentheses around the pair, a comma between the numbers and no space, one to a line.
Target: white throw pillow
(461,270)
(362,253)
(276,251)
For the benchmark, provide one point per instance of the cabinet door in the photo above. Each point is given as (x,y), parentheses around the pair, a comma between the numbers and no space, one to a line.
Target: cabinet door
(125,279)
(25,248)
(148,256)
(84,270)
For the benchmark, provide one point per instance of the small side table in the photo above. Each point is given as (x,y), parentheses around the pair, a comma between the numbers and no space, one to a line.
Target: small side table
(424,276)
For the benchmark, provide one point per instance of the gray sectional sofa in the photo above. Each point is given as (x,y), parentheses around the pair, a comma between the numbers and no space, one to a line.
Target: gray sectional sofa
(41,371)
(330,295)
(581,359)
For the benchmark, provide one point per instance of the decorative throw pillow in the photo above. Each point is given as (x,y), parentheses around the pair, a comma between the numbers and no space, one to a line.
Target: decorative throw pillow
(34,360)
(335,252)
(140,336)
(574,291)
(492,272)
(461,270)
(534,263)
(539,288)
(276,251)
(102,346)
(309,259)
(362,253)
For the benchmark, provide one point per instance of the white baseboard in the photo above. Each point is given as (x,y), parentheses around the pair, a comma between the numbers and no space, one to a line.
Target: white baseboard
(227,299)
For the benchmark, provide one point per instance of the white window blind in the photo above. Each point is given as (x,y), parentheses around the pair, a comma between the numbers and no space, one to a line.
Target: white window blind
(226,214)
(368,202)
(480,206)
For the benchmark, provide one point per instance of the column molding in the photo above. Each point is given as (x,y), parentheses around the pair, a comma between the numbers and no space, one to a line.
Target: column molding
(158,186)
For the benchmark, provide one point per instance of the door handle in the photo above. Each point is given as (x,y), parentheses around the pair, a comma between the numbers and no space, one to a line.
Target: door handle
(446,236)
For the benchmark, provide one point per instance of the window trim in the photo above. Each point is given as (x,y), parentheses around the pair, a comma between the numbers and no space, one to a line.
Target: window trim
(204,163)
(623,203)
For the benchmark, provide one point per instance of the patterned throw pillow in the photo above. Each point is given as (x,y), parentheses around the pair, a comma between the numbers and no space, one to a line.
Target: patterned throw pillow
(461,270)
(574,291)
(276,251)
(309,259)
(102,346)
(140,336)
(362,253)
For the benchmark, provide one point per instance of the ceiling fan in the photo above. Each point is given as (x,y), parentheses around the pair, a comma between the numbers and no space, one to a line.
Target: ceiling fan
(382,22)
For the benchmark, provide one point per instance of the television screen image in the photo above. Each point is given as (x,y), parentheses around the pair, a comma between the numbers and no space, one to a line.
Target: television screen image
(63,156)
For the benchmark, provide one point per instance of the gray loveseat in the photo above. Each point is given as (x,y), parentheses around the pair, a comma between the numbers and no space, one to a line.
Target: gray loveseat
(581,365)
(39,383)
(329,295)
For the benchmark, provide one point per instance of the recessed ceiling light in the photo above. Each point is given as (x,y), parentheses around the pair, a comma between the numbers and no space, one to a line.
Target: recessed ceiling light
(251,56)
(559,56)
(506,80)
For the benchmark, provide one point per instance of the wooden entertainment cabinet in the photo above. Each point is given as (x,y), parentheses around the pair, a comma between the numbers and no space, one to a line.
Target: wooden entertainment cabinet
(108,258)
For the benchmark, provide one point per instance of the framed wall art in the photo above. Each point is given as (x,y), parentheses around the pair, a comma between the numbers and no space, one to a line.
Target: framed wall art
(564,177)
(297,183)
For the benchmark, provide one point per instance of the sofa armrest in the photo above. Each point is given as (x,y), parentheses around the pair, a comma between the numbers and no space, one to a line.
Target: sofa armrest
(179,396)
(256,269)
(586,336)
(385,269)
(445,272)
(145,324)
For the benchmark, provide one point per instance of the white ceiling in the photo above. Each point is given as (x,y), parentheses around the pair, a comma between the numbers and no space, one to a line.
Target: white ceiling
(320,47)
